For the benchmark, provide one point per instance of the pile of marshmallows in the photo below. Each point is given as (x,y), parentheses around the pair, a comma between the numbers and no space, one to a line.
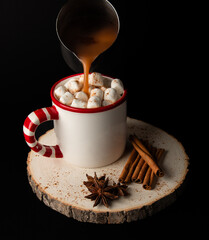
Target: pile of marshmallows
(102,91)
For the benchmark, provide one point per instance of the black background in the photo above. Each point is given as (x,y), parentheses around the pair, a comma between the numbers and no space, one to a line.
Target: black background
(153,57)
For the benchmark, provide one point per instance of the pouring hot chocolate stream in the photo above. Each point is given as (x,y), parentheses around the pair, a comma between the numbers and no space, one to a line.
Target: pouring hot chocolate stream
(88,28)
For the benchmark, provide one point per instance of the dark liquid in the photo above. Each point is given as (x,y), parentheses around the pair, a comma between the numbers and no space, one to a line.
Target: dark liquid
(88,36)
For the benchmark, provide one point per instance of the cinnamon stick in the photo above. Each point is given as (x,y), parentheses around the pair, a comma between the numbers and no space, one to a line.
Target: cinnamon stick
(146,180)
(145,166)
(127,166)
(142,173)
(145,154)
(137,169)
(131,170)
(149,177)
(147,183)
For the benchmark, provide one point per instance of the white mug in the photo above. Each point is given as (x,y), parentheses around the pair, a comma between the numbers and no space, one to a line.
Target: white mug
(87,138)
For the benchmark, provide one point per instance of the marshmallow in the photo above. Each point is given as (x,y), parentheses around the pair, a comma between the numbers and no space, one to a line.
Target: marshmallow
(66,84)
(78,103)
(110,95)
(61,90)
(96,79)
(66,98)
(71,79)
(105,103)
(73,86)
(97,92)
(118,86)
(103,88)
(81,96)
(94,102)
(81,79)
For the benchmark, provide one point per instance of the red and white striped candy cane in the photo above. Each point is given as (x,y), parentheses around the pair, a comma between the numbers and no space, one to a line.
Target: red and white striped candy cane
(32,122)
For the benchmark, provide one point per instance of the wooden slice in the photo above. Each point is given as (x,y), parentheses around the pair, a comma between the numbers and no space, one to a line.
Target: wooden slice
(60,185)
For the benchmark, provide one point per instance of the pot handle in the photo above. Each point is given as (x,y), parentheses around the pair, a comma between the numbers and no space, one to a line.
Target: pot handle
(33,120)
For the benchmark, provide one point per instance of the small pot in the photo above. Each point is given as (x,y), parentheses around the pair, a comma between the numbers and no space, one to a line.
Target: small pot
(73,8)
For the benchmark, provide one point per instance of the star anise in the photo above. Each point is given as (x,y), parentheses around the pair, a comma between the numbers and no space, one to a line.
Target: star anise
(90,181)
(100,191)
(120,189)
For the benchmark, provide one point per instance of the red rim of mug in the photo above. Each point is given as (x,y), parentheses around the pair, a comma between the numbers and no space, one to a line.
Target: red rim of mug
(84,110)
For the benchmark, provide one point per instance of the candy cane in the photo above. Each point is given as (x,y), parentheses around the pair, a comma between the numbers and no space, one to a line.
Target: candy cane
(33,120)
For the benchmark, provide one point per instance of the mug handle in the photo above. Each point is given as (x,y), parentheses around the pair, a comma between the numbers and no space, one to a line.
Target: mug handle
(32,121)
